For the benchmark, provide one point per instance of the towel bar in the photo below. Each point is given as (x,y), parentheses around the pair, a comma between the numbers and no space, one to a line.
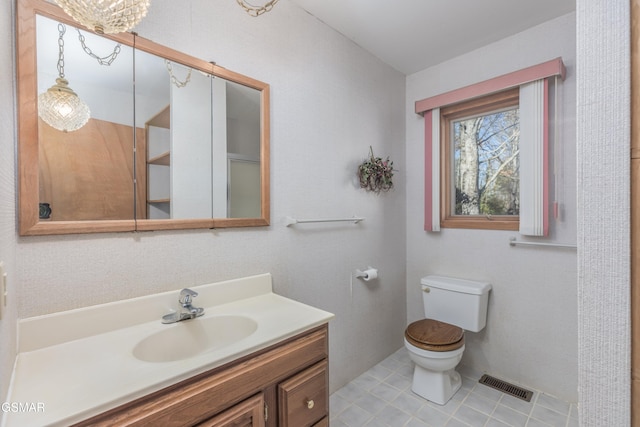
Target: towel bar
(290,221)
(514,242)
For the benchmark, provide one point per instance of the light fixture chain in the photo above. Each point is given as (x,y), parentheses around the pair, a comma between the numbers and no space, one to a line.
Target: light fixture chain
(257,10)
(61,30)
(174,79)
(105,60)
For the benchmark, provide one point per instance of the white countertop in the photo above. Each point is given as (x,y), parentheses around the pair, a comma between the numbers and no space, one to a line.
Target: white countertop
(85,370)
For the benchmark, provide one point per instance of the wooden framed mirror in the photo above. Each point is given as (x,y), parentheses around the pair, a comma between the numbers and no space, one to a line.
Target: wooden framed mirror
(173,141)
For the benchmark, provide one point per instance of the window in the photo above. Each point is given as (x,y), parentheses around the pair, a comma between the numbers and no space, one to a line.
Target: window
(480,163)
(509,183)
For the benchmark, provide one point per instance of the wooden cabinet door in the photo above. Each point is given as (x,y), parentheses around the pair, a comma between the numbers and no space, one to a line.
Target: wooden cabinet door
(249,413)
(303,399)
(322,423)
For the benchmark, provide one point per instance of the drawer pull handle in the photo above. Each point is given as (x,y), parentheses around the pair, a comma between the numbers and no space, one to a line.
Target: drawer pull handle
(310,404)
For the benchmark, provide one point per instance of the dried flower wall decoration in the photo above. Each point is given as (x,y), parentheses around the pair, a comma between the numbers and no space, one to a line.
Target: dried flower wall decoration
(376,174)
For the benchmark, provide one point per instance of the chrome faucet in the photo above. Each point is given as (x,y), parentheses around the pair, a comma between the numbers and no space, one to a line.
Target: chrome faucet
(187,311)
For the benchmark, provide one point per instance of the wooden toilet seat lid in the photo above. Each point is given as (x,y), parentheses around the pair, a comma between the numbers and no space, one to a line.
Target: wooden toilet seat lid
(433,335)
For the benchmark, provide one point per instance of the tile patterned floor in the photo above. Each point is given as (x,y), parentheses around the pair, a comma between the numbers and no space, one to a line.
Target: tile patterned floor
(382,397)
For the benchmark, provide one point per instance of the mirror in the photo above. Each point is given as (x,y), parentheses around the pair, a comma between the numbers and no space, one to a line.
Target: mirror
(198,127)
(186,146)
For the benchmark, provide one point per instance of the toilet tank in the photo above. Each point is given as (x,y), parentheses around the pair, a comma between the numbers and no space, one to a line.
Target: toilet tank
(459,302)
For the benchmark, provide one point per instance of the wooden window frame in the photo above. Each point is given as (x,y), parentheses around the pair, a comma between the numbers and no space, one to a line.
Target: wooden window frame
(474,107)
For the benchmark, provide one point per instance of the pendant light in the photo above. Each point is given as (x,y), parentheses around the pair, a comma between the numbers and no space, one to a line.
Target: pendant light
(60,107)
(106,16)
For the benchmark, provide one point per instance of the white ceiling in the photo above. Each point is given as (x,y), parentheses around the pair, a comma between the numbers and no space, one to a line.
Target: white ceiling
(412,35)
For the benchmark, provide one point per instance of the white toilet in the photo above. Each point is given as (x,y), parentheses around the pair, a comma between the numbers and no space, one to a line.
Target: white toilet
(436,343)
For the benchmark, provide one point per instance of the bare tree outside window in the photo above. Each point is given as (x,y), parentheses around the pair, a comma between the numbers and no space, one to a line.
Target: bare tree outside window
(479,162)
(486,166)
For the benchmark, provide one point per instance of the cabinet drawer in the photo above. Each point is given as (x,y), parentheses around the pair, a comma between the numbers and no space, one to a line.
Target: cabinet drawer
(249,413)
(304,397)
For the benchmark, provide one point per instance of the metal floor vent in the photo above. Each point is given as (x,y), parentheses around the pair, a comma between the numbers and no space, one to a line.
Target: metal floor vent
(505,387)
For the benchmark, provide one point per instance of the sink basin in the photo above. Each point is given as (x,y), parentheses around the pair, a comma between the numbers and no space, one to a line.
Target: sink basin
(189,338)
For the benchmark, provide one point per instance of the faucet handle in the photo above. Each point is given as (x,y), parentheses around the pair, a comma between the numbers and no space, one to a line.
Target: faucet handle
(186,296)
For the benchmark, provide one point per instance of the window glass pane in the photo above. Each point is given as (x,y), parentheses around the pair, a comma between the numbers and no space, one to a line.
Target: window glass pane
(486,165)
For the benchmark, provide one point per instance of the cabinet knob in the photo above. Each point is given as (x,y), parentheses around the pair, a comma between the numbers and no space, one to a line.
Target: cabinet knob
(310,404)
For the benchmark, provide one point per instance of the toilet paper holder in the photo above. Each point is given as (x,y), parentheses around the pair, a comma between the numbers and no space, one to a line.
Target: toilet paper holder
(367,274)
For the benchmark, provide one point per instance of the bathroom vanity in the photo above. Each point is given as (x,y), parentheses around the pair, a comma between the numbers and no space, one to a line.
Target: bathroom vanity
(254,358)
(285,385)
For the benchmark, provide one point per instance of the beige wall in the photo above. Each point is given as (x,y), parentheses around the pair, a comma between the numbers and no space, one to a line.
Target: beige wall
(531,332)
(7,196)
(603,35)
(329,102)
